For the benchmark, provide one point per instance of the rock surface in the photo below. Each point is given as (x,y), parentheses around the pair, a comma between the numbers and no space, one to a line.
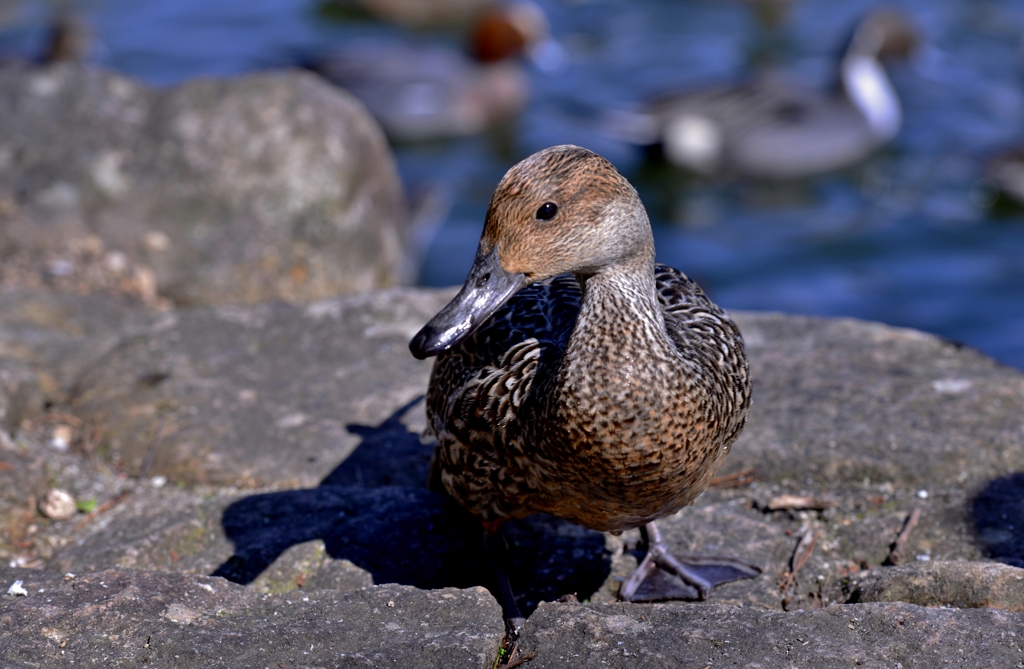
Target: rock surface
(965,585)
(269,186)
(126,618)
(278,446)
(852,635)
(253,396)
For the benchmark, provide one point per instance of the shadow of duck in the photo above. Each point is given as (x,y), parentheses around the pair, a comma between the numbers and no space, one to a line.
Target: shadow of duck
(375,510)
(998,515)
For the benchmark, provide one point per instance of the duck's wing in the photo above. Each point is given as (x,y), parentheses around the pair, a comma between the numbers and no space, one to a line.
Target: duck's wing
(700,329)
(478,387)
(737,108)
(681,297)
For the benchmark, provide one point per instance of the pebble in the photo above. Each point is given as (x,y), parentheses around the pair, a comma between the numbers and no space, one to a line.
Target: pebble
(58,505)
(17,589)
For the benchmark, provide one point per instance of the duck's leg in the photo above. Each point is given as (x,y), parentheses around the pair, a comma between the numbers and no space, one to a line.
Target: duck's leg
(497,555)
(683,576)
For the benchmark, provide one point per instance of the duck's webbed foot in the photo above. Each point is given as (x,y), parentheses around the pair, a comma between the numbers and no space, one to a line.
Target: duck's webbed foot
(662,575)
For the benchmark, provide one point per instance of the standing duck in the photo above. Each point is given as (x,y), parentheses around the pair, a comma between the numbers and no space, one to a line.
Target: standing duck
(578,378)
(770,130)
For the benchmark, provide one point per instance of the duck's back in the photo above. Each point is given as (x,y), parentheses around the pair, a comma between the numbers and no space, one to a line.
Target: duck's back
(489,404)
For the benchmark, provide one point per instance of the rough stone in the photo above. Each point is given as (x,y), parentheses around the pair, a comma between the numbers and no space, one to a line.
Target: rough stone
(149,528)
(276,385)
(961,584)
(268,186)
(21,399)
(126,618)
(840,401)
(854,635)
(57,334)
(251,396)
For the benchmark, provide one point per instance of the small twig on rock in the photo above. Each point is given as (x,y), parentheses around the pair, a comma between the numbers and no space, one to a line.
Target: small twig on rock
(734,480)
(151,451)
(799,503)
(102,508)
(801,554)
(72,420)
(515,662)
(898,546)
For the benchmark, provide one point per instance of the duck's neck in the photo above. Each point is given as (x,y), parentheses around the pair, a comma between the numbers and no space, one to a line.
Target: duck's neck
(867,85)
(619,333)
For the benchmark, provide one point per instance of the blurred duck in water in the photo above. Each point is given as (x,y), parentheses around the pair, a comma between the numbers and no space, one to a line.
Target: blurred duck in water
(424,92)
(66,40)
(1006,169)
(770,130)
(415,14)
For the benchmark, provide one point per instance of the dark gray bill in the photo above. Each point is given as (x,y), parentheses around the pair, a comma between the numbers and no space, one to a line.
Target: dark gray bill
(487,288)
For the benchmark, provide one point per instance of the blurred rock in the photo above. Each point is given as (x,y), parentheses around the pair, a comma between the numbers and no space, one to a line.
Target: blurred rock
(57,334)
(268,186)
(20,396)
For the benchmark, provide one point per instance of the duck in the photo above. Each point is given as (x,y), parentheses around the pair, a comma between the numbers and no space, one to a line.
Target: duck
(413,14)
(1005,169)
(770,130)
(422,91)
(574,376)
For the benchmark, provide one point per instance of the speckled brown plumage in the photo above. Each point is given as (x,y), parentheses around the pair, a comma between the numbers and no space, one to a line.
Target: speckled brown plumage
(609,390)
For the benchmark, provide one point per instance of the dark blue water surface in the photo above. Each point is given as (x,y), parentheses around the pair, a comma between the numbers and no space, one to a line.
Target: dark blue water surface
(909,238)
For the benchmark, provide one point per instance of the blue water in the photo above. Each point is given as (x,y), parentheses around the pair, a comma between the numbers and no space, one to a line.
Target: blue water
(907,238)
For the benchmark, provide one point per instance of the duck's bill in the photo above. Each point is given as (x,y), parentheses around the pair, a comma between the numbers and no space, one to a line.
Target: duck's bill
(487,288)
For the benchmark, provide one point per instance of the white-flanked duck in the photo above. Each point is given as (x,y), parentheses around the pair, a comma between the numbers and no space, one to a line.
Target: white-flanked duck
(770,130)
(575,376)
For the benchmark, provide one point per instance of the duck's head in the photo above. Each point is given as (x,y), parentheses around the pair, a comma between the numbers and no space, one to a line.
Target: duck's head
(513,29)
(507,30)
(884,34)
(563,209)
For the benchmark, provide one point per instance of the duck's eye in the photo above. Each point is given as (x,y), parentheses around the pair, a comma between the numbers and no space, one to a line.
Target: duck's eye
(547,211)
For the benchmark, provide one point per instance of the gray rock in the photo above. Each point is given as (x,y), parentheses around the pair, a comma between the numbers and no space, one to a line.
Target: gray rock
(840,401)
(230,386)
(266,394)
(150,528)
(855,635)
(269,186)
(311,416)
(57,334)
(125,618)
(962,584)
(20,396)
